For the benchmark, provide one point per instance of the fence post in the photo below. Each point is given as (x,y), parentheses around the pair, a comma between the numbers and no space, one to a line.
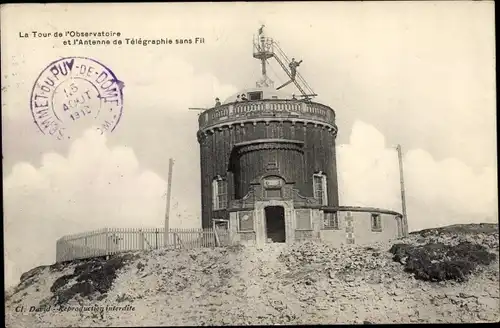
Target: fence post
(107,241)
(156,237)
(85,248)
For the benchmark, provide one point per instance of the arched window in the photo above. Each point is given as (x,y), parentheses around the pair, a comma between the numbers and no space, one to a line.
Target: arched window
(219,193)
(319,187)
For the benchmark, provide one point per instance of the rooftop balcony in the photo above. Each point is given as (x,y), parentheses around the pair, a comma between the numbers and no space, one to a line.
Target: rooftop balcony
(266,109)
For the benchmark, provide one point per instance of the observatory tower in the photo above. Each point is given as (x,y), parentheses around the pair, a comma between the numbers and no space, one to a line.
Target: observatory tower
(268,162)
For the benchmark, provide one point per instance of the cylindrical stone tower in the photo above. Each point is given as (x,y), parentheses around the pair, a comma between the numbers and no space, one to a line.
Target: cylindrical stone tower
(268,166)
(242,140)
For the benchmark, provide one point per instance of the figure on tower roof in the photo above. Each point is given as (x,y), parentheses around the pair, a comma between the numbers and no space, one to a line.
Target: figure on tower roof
(261,29)
(293,72)
(244,97)
(217,102)
(293,67)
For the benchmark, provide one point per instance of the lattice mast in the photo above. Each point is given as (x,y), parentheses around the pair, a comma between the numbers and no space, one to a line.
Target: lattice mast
(265,48)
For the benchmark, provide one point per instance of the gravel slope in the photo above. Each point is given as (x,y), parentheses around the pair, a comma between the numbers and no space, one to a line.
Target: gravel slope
(307,283)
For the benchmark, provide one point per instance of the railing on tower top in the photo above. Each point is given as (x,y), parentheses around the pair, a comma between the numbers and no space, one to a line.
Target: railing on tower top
(109,241)
(295,109)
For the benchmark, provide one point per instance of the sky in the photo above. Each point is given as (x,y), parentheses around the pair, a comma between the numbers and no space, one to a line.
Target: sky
(419,74)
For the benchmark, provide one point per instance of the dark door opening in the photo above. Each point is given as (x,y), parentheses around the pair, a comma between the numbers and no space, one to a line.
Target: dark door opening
(275,223)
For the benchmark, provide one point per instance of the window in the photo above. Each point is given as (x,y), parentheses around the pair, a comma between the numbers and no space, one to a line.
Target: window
(319,186)
(255,95)
(221,224)
(219,193)
(331,221)
(376,222)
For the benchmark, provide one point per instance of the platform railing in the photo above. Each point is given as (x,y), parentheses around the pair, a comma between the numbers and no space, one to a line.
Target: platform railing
(267,108)
(109,241)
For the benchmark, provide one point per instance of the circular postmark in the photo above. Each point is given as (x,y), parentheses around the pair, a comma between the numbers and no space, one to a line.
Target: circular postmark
(74,93)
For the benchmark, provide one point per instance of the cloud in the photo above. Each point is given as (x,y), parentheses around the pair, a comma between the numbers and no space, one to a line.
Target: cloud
(437,192)
(367,170)
(94,186)
(448,191)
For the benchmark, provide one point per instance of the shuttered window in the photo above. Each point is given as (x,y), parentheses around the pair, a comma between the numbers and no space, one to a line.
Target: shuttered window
(319,186)
(219,193)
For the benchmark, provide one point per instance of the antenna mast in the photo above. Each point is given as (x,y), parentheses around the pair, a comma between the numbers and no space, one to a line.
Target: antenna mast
(402,186)
(265,48)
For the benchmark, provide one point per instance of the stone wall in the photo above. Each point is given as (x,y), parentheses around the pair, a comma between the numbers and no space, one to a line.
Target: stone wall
(355,227)
(363,232)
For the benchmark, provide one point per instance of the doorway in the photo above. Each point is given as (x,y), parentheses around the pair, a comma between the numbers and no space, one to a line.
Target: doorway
(275,223)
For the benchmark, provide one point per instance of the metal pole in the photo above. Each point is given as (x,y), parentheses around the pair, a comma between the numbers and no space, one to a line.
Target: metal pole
(169,190)
(402,185)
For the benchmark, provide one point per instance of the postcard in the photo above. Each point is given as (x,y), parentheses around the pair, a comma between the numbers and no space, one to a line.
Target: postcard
(249,163)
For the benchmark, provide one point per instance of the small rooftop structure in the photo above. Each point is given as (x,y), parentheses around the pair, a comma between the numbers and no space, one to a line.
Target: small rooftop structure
(259,93)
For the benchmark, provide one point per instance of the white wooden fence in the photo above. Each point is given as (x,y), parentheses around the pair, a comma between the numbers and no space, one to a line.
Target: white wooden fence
(109,241)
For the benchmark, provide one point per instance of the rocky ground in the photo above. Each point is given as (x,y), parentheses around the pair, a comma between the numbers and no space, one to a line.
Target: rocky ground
(305,283)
